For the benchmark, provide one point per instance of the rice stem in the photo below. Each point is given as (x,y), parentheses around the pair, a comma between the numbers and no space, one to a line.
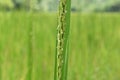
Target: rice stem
(30,50)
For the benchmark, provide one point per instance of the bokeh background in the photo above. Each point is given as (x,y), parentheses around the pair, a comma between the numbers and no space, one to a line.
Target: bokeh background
(94,52)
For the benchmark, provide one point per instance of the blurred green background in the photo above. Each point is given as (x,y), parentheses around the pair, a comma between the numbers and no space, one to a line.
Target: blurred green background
(52,5)
(94,39)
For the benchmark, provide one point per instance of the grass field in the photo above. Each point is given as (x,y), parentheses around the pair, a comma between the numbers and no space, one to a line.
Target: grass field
(94,46)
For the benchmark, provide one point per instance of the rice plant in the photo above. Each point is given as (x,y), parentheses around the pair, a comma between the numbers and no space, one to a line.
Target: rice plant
(0,67)
(0,56)
(61,57)
(30,50)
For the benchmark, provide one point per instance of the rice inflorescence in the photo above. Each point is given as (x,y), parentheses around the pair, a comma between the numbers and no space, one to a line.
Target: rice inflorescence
(62,40)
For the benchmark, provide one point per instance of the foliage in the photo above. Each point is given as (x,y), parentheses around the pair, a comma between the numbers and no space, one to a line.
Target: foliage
(6,2)
(52,5)
(94,46)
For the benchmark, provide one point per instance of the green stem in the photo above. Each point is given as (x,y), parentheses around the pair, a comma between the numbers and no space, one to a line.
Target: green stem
(30,51)
(0,66)
(61,57)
